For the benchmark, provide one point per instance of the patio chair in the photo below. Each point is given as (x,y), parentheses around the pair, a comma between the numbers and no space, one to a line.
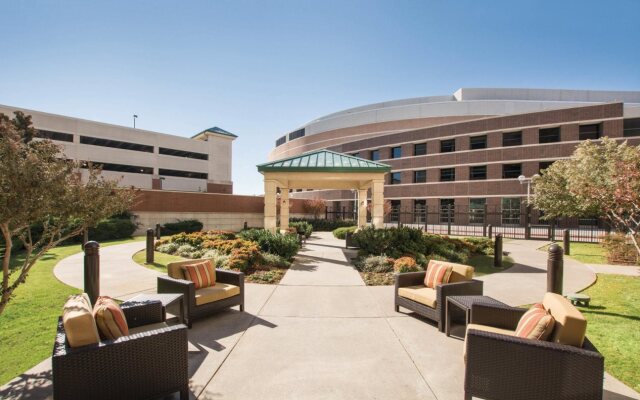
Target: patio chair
(500,365)
(412,293)
(227,292)
(150,362)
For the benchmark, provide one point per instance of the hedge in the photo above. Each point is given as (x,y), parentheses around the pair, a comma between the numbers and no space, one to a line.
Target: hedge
(326,225)
(186,226)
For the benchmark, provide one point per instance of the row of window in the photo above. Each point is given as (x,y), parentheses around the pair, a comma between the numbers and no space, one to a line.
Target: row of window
(510,210)
(117,144)
(476,172)
(136,169)
(546,135)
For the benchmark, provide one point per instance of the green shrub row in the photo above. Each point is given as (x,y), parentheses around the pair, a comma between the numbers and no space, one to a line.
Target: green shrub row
(341,233)
(181,226)
(325,225)
(286,246)
(303,228)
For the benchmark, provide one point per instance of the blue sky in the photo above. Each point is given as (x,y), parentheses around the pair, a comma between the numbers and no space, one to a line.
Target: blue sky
(262,68)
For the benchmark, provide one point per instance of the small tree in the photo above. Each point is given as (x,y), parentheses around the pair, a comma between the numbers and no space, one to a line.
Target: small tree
(315,207)
(598,180)
(39,187)
(386,207)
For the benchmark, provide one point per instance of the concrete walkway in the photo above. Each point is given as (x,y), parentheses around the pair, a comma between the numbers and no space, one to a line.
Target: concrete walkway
(322,334)
(628,270)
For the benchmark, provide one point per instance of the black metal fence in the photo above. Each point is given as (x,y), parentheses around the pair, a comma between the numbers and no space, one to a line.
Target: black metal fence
(520,223)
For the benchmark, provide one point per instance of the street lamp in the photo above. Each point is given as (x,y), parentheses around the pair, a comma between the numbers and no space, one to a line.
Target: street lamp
(134,120)
(523,179)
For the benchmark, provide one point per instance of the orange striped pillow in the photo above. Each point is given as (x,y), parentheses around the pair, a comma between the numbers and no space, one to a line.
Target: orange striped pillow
(110,319)
(536,323)
(202,274)
(437,273)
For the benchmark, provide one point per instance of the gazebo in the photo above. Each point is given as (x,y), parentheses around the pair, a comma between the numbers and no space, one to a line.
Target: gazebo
(323,169)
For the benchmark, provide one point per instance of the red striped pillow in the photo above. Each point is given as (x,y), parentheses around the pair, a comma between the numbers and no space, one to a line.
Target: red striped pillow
(110,319)
(202,274)
(437,273)
(536,323)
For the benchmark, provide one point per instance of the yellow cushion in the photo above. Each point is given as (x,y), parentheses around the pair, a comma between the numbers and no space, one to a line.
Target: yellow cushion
(570,326)
(174,269)
(214,293)
(484,328)
(79,324)
(419,293)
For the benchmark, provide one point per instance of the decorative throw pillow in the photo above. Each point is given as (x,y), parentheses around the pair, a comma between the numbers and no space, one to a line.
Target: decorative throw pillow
(437,273)
(536,323)
(202,274)
(110,319)
(79,324)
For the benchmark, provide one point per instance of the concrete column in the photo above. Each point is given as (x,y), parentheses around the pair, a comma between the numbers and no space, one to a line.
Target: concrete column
(270,187)
(377,198)
(284,209)
(362,208)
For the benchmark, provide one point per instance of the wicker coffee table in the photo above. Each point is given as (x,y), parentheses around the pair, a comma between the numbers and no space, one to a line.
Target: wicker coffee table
(174,302)
(464,303)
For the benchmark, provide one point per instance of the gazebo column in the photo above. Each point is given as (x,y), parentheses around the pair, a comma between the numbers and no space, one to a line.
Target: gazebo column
(362,208)
(270,187)
(377,199)
(284,209)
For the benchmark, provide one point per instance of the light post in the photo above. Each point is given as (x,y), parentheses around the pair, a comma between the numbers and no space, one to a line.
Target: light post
(134,120)
(523,179)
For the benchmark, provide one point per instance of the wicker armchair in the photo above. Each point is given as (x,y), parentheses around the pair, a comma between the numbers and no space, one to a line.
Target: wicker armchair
(144,365)
(460,284)
(174,283)
(502,366)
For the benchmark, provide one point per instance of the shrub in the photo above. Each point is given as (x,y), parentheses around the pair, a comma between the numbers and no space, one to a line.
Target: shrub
(619,248)
(303,228)
(185,250)
(341,233)
(406,264)
(186,226)
(325,225)
(218,260)
(394,242)
(274,260)
(112,228)
(285,246)
(168,248)
(380,263)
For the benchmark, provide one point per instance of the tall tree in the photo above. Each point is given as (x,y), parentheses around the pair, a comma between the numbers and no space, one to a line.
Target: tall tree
(600,179)
(40,187)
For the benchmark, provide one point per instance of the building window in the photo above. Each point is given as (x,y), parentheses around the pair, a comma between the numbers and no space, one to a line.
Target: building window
(395,210)
(511,211)
(478,172)
(511,139)
(478,142)
(589,132)
(447,210)
(116,144)
(396,178)
(476,210)
(447,174)
(375,155)
(419,149)
(447,146)
(133,169)
(396,152)
(549,135)
(419,211)
(510,171)
(355,154)
(420,176)
(544,165)
(183,174)
(183,153)
(631,127)
(281,141)
(51,135)
(296,134)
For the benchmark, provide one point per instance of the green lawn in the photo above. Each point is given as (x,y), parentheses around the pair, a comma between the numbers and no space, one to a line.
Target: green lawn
(28,324)
(613,324)
(587,253)
(160,260)
(484,264)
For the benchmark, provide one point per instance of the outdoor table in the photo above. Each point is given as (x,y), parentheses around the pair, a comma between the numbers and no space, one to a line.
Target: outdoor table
(174,302)
(464,303)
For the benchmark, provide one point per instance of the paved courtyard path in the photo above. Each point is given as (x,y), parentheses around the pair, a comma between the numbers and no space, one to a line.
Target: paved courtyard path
(319,334)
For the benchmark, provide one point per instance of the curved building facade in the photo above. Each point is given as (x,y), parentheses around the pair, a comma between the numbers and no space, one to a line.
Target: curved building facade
(466,149)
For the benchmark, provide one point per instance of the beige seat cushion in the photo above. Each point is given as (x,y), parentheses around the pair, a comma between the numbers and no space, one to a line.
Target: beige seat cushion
(420,294)
(570,326)
(174,269)
(77,318)
(459,272)
(150,327)
(214,293)
(484,328)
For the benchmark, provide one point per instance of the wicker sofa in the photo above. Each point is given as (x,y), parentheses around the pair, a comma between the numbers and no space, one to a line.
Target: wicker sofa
(412,294)
(150,362)
(228,291)
(500,365)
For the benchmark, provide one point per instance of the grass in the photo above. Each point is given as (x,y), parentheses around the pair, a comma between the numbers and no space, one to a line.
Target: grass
(613,324)
(28,324)
(587,253)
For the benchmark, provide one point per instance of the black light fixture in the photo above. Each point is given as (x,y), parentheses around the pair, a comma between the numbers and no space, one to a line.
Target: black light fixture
(135,116)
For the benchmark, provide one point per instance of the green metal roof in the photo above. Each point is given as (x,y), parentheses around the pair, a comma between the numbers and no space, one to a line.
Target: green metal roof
(217,130)
(323,161)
